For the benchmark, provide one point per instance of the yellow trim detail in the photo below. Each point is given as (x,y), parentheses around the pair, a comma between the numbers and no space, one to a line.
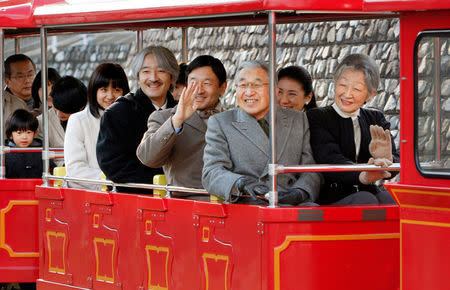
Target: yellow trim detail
(48,214)
(56,269)
(156,249)
(95,220)
(205,235)
(289,239)
(400,190)
(423,223)
(3,244)
(215,258)
(99,277)
(148,227)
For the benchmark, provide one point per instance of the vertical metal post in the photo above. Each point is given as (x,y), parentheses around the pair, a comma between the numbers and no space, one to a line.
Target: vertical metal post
(140,41)
(184,44)
(16,45)
(2,106)
(437,103)
(273,196)
(44,82)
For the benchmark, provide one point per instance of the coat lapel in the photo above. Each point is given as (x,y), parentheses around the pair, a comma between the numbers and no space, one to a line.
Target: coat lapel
(249,127)
(197,123)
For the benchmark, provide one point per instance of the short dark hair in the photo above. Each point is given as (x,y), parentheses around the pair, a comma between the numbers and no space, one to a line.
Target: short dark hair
(301,76)
(52,77)
(182,74)
(208,60)
(69,95)
(13,59)
(21,120)
(102,76)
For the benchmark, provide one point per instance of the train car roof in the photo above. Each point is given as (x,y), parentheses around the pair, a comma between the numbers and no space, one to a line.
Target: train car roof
(67,15)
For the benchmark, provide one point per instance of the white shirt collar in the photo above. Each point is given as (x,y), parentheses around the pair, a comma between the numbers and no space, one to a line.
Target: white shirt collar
(344,114)
(162,107)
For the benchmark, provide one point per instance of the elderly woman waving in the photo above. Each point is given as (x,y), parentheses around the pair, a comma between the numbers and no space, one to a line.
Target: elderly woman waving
(346,133)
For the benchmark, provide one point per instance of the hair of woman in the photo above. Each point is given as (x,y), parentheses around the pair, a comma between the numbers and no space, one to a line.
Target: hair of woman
(69,95)
(364,63)
(301,76)
(102,76)
(52,77)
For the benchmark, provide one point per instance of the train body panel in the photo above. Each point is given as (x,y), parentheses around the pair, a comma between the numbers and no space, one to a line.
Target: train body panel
(110,240)
(19,248)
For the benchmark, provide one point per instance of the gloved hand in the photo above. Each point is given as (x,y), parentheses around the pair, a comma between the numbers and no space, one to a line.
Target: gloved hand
(292,196)
(380,146)
(250,186)
(367,177)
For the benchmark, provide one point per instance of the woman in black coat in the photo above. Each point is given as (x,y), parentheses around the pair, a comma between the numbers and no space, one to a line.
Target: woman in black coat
(345,133)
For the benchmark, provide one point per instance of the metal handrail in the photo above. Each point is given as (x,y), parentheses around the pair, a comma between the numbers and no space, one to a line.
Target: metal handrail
(335,167)
(280,169)
(54,153)
(167,188)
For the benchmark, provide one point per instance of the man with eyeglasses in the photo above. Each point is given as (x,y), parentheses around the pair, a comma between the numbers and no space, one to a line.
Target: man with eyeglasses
(175,138)
(19,75)
(237,151)
(124,123)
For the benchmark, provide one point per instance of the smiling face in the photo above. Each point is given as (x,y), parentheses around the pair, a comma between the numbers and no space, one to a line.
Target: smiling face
(209,88)
(350,91)
(291,95)
(21,79)
(253,91)
(23,139)
(153,80)
(106,96)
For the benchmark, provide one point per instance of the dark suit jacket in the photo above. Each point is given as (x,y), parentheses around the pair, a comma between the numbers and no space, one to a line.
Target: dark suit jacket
(332,142)
(121,129)
(237,146)
(180,155)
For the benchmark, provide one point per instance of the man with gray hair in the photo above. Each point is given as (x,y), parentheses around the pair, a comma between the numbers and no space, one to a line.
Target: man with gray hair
(237,150)
(124,123)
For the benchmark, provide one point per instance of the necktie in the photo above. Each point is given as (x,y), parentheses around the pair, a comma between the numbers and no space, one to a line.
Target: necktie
(264,125)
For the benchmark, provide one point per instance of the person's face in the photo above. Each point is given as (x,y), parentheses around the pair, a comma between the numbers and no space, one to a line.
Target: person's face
(49,98)
(209,89)
(61,115)
(153,80)
(177,91)
(253,91)
(350,91)
(291,95)
(23,139)
(106,96)
(21,79)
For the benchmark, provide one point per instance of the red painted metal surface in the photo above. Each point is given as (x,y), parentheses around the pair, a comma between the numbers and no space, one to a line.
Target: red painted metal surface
(425,228)
(19,247)
(73,12)
(16,13)
(118,241)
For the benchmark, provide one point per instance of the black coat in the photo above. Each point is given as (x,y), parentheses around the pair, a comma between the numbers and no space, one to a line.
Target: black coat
(26,164)
(121,129)
(332,142)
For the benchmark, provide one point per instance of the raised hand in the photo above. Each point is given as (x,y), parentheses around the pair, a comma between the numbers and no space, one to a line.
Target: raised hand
(380,145)
(186,105)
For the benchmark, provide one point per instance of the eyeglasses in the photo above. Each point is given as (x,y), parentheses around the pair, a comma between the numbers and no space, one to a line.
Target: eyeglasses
(252,86)
(24,77)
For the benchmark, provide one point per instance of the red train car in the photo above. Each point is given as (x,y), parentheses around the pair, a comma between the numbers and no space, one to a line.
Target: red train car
(105,240)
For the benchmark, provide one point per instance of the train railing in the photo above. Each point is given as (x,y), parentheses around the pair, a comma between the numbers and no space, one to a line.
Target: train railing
(53,153)
(279,168)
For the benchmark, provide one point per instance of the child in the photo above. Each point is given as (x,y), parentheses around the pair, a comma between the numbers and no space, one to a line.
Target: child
(21,128)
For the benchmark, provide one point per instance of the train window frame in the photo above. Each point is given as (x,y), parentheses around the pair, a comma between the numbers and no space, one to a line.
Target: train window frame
(445,172)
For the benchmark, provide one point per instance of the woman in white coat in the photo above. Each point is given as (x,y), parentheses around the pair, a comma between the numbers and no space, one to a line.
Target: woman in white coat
(107,83)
